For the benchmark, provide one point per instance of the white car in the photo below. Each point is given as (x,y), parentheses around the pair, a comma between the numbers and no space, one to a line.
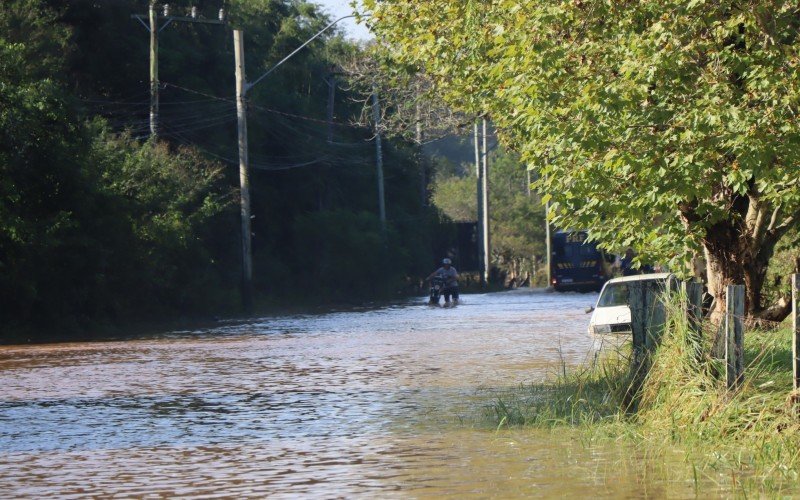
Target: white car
(611,314)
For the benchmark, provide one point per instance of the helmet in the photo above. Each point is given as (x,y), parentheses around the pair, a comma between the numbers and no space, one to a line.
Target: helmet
(446,261)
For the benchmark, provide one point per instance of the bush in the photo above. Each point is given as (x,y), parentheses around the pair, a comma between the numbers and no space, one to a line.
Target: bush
(343,254)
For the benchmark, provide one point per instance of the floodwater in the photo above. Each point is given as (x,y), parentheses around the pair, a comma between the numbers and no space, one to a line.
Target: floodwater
(375,402)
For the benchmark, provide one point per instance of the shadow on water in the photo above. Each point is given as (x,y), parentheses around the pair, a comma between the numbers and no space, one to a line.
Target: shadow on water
(364,401)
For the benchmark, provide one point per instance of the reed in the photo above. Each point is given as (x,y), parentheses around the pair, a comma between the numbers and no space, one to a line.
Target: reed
(754,431)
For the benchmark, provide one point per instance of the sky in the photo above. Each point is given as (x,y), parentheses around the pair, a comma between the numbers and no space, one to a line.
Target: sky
(340,8)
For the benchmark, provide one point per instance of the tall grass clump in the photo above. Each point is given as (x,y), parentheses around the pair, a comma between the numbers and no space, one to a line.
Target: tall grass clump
(682,401)
(585,395)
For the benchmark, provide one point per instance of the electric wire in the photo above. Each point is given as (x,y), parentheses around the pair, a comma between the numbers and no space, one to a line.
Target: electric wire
(179,118)
(255,164)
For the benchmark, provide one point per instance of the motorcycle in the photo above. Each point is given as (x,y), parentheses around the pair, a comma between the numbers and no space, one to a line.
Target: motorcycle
(437,286)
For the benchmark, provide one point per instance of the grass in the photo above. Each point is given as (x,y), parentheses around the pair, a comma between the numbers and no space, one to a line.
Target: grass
(752,433)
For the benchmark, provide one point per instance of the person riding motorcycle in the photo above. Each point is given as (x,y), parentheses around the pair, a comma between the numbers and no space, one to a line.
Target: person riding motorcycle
(450,276)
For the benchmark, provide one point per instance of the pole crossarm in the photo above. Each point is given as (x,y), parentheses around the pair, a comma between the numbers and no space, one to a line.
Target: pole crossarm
(141,20)
(248,86)
(170,19)
(152,27)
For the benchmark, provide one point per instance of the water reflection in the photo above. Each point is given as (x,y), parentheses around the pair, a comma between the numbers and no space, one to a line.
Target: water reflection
(338,404)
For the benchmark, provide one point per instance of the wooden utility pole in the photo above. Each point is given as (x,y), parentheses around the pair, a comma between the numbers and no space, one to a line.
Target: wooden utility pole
(479,199)
(423,171)
(376,116)
(153,27)
(796,333)
(242,87)
(153,70)
(244,173)
(487,250)
(331,95)
(548,243)
(528,185)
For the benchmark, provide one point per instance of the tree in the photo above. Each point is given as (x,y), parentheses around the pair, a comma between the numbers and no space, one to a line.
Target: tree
(517,219)
(411,108)
(669,126)
(93,227)
(99,226)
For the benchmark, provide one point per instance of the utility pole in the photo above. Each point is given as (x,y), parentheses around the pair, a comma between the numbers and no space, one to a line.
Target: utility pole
(376,116)
(487,250)
(154,29)
(533,257)
(242,87)
(244,173)
(331,95)
(423,175)
(153,70)
(479,199)
(548,243)
(528,185)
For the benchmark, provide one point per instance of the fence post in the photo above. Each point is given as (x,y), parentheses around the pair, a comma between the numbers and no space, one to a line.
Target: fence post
(796,334)
(694,314)
(734,335)
(637,302)
(656,307)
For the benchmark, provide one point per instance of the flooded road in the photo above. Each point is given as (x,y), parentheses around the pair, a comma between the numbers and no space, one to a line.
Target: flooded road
(359,403)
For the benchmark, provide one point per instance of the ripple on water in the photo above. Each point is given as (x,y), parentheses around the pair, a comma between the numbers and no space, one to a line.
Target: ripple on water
(340,404)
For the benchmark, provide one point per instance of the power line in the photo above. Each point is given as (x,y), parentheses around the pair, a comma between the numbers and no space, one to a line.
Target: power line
(179,122)
(254,164)
(263,108)
(197,92)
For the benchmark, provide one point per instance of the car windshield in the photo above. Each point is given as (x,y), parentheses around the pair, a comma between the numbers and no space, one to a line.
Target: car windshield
(614,294)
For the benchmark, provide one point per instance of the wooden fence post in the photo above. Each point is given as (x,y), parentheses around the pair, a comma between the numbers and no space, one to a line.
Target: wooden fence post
(637,302)
(796,334)
(656,313)
(693,292)
(734,335)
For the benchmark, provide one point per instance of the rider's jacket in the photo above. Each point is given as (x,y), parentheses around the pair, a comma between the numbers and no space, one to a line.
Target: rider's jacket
(449,276)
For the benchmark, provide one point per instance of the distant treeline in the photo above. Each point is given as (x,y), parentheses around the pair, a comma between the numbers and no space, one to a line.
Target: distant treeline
(100,225)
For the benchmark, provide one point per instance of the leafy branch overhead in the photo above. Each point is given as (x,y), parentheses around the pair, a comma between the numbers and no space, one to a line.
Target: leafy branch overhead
(411,107)
(670,126)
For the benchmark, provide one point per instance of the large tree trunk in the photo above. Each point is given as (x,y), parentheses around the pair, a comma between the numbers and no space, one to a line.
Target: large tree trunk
(738,252)
(724,265)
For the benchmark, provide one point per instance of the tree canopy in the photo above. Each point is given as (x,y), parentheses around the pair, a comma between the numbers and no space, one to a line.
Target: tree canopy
(669,126)
(102,225)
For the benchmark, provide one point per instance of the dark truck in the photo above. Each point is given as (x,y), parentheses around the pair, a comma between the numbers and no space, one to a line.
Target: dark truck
(577,264)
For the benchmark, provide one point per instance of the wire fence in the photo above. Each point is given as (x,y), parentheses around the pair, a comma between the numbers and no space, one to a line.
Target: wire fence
(724,327)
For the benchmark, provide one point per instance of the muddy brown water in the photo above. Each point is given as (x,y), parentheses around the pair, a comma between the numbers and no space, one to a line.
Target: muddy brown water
(365,403)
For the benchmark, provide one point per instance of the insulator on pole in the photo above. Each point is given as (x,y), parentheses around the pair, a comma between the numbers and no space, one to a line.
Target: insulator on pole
(194,12)
(222,15)
(166,10)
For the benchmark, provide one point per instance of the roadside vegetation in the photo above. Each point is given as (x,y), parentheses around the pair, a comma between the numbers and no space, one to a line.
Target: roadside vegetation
(102,226)
(751,435)
(665,126)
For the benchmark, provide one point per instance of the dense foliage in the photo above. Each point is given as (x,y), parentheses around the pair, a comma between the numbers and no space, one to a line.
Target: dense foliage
(100,224)
(667,126)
